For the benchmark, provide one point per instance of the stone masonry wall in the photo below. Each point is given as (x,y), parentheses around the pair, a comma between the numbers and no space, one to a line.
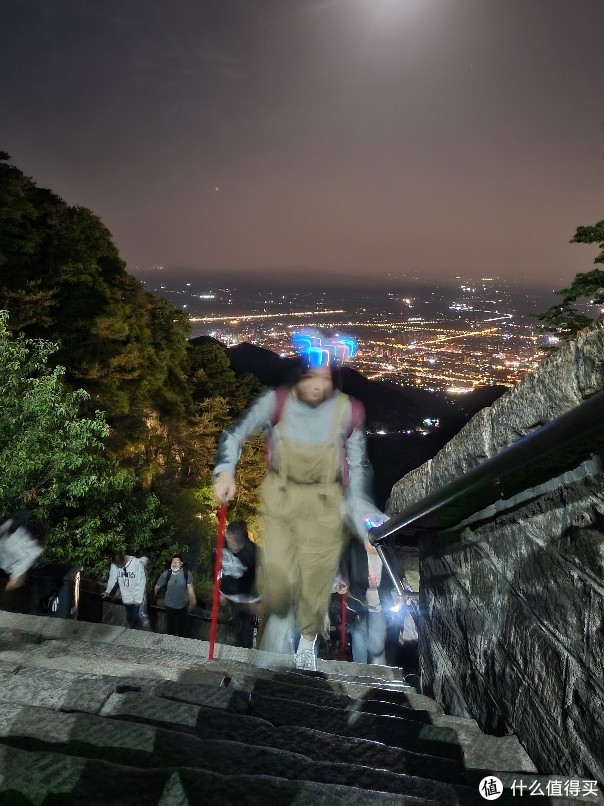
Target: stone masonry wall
(513,597)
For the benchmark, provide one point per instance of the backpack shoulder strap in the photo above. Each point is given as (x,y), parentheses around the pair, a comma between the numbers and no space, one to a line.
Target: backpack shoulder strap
(281,393)
(357,418)
(169,576)
(357,415)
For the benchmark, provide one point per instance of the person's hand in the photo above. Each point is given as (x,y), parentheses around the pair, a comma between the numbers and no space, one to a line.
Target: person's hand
(342,588)
(104,595)
(225,487)
(222,600)
(372,579)
(369,548)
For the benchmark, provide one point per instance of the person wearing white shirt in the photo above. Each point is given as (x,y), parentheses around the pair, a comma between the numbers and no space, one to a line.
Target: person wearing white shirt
(129,574)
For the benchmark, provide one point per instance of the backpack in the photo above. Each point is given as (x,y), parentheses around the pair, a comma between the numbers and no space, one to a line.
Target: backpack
(169,577)
(357,417)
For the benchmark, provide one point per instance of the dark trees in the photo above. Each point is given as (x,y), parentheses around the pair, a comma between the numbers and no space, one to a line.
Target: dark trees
(564,319)
(62,280)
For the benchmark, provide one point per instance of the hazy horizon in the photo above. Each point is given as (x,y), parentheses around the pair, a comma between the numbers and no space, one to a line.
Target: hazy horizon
(407,136)
(304,276)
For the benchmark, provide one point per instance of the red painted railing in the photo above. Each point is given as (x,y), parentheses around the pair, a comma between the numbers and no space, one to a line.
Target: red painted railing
(343,626)
(222,513)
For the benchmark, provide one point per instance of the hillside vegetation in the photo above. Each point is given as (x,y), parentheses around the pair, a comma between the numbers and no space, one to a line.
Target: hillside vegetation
(158,402)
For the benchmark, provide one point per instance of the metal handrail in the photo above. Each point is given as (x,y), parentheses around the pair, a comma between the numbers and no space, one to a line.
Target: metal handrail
(578,423)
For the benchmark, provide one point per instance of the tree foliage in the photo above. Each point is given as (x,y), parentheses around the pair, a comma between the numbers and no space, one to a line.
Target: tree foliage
(54,463)
(164,401)
(61,278)
(564,319)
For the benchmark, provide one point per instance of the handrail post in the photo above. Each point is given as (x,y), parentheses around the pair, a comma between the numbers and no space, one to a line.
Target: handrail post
(398,585)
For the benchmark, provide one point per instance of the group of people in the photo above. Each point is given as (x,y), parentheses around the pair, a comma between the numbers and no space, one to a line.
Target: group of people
(316,510)
(129,574)
(316,493)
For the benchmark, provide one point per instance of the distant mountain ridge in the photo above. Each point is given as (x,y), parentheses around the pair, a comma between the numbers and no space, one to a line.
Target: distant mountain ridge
(389,407)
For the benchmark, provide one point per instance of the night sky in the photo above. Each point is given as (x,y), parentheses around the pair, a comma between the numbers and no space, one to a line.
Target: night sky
(356,136)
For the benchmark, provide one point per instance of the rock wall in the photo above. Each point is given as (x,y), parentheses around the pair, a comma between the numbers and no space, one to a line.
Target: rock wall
(513,597)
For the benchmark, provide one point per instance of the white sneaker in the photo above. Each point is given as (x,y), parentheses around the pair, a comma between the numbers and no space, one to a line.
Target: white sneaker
(306,659)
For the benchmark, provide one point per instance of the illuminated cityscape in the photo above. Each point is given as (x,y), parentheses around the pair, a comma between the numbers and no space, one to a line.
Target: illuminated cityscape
(446,339)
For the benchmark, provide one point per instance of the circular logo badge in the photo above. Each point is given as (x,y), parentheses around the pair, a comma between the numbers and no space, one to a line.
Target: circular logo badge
(491,787)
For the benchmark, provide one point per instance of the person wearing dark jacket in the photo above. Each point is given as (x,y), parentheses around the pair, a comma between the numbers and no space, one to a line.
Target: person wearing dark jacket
(238,581)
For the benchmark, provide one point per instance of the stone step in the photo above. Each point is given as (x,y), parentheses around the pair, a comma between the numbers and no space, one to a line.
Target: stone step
(394,731)
(60,689)
(121,660)
(477,750)
(352,715)
(142,655)
(308,687)
(54,778)
(391,703)
(49,628)
(69,691)
(88,736)
(80,737)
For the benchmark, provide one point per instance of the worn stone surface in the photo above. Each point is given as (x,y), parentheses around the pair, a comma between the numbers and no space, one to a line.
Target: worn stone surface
(32,724)
(513,597)
(77,781)
(394,731)
(151,747)
(47,628)
(405,698)
(153,709)
(172,739)
(55,690)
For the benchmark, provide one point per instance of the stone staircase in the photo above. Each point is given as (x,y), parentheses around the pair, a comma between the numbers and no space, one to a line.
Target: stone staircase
(95,714)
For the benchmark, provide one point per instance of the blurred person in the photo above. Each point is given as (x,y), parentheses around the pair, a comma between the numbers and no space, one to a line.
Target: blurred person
(371,602)
(19,551)
(318,477)
(238,581)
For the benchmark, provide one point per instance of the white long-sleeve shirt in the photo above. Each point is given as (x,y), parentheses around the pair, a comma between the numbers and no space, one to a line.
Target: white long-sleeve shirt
(132,579)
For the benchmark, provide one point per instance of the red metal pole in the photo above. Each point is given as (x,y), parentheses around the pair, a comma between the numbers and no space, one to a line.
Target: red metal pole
(222,513)
(343,625)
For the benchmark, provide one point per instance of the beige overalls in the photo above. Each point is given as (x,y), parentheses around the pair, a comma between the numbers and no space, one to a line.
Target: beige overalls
(301,500)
